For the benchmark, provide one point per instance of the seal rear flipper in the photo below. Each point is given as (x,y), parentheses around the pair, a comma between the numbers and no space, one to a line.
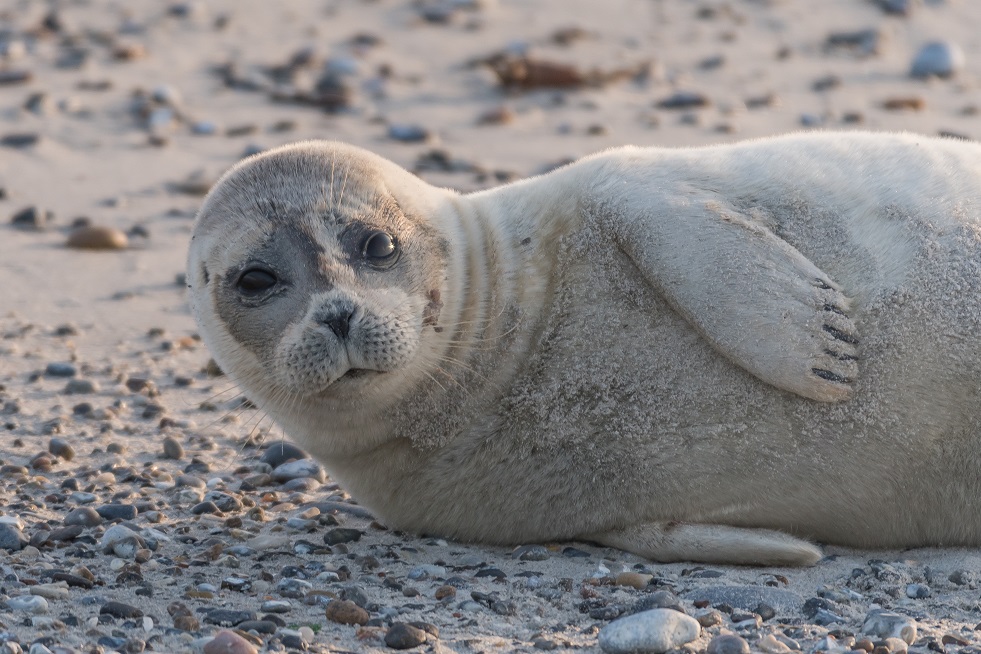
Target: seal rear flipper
(753,296)
(668,542)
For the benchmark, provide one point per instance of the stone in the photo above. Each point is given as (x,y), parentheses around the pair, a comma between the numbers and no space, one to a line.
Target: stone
(656,631)
(60,370)
(346,612)
(886,624)
(342,535)
(917,591)
(172,448)
(228,617)
(97,237)
(84,516)
(186,623)
(61,449)
(530,553)
(120,610)
(684,100)
(28,604)
(636,580)
(118,511)
(770,645)
(298,469)
(408,133)
(404,636)
(122,541)
(938,59)
(81,387)
(282,452)
(12,538)
(229,642)
(749,597)
(728,644)
(32,219)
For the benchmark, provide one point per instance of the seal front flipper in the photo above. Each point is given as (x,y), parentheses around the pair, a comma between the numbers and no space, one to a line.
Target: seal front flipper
(758,301)
(668,542)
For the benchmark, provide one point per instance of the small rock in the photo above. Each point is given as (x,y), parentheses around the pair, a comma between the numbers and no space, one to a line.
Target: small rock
(657,631)
(299,469)
(342,535)
(404,636)
(60,370)
(636,580)
(20,139)
(938,59)
(118,511)
(32,219)
(95,237)
(28,604)
(886,624)
(12,538)
(81,387)
(684,100)
(282,452)
(728,644)
(346,612)
(408,133)
(186,623)
(228,617)
(770,645)
(120,610)
(749,597)
(229,642)
(917,591)
(530,553)
(172,448)
(61,449)
(84,516)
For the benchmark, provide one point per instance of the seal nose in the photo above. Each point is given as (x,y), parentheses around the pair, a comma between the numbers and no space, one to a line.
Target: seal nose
(338,320)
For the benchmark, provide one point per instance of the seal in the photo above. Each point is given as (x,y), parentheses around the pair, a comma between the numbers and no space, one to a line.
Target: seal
(717,354)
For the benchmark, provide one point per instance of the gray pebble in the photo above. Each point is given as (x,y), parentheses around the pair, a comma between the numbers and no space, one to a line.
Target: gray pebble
(940,59)
(749,597)
(205,508)
(81,387)
(172,448)
(282,452)
(404,636)
(426,571)
(276,606)
(122,541)
(298,469)
(12,538)
(886,624)
(120,610)
(661,599)
(61,449)
(727,644)
(60,370)
(342,535)
(32,219)
(228,617)
(657,631)
(84,516)
(118,511)
(225,502)
(684,100)
(530,553)
(917,591)
(408,133)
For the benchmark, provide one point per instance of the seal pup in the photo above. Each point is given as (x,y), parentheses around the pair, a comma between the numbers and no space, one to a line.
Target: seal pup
(716,354)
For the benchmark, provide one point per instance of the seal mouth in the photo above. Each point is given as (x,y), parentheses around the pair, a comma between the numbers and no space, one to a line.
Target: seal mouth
(356,373)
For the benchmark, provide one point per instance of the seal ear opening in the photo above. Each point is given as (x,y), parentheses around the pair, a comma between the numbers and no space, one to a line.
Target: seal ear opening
(204,273)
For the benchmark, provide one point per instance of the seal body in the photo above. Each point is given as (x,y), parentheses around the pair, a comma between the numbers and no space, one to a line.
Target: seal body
(707,354)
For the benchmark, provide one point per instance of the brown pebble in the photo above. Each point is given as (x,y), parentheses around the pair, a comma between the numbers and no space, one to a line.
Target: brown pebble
(229,642)
(346,612)
(912,103)
(496,116)
(525,73)
(636,580)
(129,51)
(94,237)
(445,591)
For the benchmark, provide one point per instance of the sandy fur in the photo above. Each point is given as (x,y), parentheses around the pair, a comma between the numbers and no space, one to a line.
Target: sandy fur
(622,351)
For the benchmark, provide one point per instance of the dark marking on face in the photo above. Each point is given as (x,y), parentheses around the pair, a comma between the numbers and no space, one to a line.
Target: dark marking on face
(205,274)
(430,315)
(526,240)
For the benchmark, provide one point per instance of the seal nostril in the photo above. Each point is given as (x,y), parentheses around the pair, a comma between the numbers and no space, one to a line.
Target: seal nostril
(339,321)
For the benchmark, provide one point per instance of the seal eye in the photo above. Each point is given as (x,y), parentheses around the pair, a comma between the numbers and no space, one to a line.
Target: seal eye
(255,281)
(380,249)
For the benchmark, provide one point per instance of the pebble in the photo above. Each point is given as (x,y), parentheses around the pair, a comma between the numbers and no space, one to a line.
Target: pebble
(684,100)
(530,553)
(60,370)
(770,645)
(342,535)
(404,636)
(120,610)
(276,606)
(346,612)
(118,511)
(55,591)
(122,541)
(657,631)
(229,642)
(28,603)
(228,617)
(749,597)
(282,452)
(939,58)
(917,591)
(96,237)
(636,580)
(886,624)
(172,448)
(426,571)
(20,139)
(32,219)
(407,133)
(61,449)
(728,644)
(81,387)
(12,538)
(299,469)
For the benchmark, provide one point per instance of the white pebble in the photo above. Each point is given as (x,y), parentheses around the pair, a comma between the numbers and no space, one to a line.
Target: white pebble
(656,631)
